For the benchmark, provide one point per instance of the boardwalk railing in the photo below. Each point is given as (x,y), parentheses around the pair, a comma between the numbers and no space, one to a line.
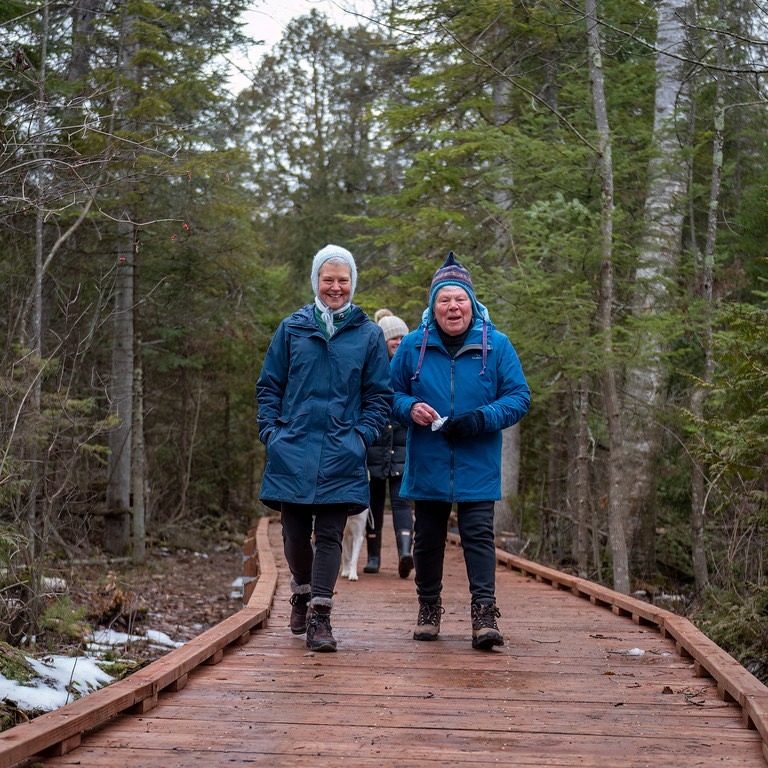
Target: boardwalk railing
(61,731)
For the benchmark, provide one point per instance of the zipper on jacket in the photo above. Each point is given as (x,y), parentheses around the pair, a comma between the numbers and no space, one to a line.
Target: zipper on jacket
(453,394)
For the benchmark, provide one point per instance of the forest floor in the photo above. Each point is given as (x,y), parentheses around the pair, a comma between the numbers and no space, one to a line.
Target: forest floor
(124,614)
(178,592)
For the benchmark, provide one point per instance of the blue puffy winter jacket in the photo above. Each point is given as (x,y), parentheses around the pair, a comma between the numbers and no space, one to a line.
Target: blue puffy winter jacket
(321,403)
(470,470)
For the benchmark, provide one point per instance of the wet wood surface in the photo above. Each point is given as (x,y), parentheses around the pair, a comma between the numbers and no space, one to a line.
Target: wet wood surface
(575,684)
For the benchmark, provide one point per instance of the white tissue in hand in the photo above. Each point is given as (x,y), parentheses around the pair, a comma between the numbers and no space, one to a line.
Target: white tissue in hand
(438,423)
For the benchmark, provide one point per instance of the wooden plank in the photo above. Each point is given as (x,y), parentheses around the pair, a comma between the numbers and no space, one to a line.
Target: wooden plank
(756,708)
(388,748)
(261,593)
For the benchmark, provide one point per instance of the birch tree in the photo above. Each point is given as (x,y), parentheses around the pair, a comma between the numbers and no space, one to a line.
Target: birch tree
(618,542)
(658,256)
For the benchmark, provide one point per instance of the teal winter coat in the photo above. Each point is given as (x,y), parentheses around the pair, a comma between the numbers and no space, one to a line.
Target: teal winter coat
(321,403)
(470,470)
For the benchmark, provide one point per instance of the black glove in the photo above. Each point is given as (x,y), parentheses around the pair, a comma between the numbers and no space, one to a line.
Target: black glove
(463,426)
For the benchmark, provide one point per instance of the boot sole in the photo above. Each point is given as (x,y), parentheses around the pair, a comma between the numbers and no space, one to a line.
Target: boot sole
(322,647)
(488,642)
(299,631)
(424,636)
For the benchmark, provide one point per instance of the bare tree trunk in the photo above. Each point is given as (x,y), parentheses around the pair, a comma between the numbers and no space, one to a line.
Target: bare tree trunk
(83,16)
(138,469)
(616,528)
(189,445)
(504,519)
(33,464)
(510,482)
(698,398)
(660,250)
(117,520)
(582,481)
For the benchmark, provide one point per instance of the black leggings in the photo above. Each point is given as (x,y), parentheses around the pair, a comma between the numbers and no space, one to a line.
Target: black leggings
(317,565)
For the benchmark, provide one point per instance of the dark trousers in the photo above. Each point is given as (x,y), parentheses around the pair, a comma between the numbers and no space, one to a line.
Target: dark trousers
(402,516)
(317,565)
(477,541)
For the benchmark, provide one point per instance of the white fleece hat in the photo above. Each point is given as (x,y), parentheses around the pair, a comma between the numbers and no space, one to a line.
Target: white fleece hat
(392,327)
(337,253)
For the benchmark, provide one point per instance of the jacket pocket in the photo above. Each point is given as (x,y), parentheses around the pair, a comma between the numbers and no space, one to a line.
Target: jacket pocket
(344,451)
(286,445)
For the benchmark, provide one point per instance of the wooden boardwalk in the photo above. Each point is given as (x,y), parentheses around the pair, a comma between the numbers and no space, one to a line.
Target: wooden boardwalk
(577,684)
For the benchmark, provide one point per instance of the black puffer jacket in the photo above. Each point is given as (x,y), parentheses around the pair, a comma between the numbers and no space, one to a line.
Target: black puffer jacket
(386,457)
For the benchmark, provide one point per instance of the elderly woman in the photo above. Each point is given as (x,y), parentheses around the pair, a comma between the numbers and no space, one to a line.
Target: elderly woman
(324,395)
(458,382)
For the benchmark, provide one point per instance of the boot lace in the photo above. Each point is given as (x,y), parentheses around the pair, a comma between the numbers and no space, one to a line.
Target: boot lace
(485,616)
(430,613)
(300,599)
(317,619)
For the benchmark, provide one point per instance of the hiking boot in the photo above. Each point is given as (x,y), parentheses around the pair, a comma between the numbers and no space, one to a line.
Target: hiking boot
(299,605)
(485,631)
(428,621)
(405,563)
(373,544)
(319,633)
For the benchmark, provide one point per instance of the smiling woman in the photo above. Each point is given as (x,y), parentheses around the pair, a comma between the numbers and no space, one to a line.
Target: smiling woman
(324,396)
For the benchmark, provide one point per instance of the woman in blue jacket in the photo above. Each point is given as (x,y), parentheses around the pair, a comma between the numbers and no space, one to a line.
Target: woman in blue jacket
(324,395)
(458,382)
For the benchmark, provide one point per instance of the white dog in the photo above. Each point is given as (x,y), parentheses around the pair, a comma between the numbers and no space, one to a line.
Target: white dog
(354,533)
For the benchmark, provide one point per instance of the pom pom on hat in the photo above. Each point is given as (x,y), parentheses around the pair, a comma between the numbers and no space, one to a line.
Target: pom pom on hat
(391,325)
(335,252)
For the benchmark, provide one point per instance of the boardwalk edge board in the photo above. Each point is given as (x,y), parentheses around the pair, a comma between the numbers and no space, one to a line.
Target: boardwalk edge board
(60,731)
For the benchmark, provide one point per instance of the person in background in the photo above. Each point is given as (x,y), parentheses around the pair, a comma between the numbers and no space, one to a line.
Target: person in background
(458,382)
(324,395)
(386,461)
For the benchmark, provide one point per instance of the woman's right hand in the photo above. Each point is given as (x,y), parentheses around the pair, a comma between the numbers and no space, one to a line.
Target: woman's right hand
(423,414)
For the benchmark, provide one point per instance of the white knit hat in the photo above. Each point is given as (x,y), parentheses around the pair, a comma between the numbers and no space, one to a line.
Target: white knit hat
(335,252)
(392,327)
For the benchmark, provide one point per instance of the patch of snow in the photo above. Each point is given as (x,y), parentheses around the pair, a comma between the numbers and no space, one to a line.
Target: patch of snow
(60,675)
(107,639)
(672,598)
(237,588)
(160,638)
(62,678)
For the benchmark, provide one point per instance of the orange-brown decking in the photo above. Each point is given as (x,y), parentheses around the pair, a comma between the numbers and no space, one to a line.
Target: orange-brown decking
(577,684)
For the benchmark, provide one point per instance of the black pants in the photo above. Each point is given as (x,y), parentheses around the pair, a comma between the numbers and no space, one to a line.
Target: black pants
(317,565)
(477,541)
(402,515)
